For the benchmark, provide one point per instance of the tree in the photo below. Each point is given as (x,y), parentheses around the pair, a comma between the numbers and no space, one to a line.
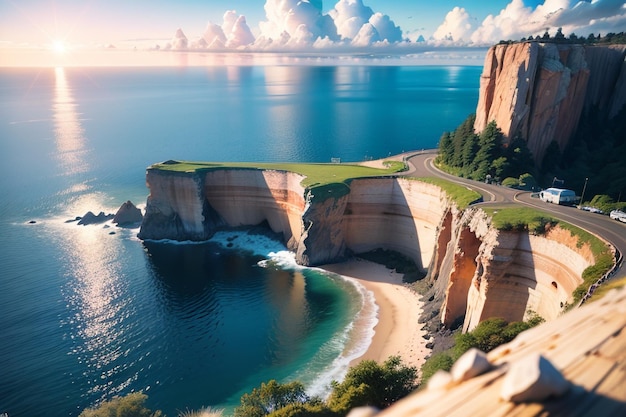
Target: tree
(559,35)
(519,157)
(489,147)
(546,36)
(446,148)
(270,397)
(130,405)
(369,383)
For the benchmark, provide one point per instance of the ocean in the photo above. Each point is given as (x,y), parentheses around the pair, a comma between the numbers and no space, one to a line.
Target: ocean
(89,312)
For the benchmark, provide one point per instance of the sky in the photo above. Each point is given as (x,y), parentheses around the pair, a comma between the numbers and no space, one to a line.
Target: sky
(62,27)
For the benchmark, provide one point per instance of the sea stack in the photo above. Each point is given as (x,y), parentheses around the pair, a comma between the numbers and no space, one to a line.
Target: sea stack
(128,214)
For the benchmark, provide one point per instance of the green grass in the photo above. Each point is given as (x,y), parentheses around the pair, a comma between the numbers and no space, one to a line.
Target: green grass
(316,174)
(461,195)
(520,218)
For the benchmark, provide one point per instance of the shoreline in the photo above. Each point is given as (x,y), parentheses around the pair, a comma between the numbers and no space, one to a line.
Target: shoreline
(398,331)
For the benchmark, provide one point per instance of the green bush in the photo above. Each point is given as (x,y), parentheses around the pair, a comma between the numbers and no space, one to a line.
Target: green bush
(270,397)
(439,361)
(370,383)
(130,405)
(510,182)
(492,333)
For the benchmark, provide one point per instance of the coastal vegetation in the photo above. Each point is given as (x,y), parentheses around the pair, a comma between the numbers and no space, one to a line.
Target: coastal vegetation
(488,335)
(483,157)
(367,383)
(610,38)
(131,405)
(592,161)
(520,218)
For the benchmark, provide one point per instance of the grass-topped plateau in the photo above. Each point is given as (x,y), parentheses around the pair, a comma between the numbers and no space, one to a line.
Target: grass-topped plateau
(316,173)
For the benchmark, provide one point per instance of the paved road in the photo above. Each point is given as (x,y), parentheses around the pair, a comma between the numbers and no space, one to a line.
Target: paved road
(421,165)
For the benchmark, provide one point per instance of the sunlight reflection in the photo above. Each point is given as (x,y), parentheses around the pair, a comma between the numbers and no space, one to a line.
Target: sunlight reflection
(98,297)
(69,134)
(281,81)
(96,293)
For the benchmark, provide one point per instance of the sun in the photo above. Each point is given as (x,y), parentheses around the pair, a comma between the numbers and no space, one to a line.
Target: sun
(59,47)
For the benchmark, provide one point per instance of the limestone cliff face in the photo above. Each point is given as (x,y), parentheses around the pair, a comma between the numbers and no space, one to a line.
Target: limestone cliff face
(390,213)
(477,271)
(496,273)
(192,206)
(175,208)
(539,90)
(396,214)
(247,197)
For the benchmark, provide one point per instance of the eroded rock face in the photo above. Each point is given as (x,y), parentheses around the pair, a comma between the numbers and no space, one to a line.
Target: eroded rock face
(476,271)
(508,274)
(539,90)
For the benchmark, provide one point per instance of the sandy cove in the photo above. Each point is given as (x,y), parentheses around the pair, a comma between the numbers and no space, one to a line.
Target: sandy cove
(398,331)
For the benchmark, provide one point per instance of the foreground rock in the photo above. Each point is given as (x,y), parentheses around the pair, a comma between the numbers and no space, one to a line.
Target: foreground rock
(128,215)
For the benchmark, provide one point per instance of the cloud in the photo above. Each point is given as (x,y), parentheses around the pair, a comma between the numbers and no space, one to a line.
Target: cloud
(213,37)
(516,20)
(179,41)
(457,26)
(350,16)
(302,25)
(296,22)
(236,29)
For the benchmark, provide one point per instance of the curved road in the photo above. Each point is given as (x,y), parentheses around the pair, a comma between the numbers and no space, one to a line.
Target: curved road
(421,165)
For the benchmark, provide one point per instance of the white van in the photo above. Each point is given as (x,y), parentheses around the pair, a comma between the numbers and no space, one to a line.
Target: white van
(558,196)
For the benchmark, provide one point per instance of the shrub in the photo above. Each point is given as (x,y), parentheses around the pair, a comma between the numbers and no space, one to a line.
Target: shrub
(130,405)
(439,361)
(369,383)
(510,182)
(270,397)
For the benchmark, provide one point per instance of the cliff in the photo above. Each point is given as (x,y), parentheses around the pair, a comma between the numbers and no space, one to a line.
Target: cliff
(539,90)
(390,212)
(476,270)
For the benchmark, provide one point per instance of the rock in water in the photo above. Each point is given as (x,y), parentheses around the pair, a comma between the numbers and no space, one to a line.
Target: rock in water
(128,214)
(533,378)
(90,218)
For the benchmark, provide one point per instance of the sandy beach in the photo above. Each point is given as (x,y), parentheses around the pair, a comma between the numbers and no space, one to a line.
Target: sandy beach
(398,331)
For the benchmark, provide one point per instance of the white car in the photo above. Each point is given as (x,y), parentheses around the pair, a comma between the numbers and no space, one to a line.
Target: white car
(618,215)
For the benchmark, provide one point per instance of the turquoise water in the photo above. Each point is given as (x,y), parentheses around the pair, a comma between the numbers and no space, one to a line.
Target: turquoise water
(86,314)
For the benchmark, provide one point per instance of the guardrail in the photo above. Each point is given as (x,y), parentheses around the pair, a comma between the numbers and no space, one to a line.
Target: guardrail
(619,259)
